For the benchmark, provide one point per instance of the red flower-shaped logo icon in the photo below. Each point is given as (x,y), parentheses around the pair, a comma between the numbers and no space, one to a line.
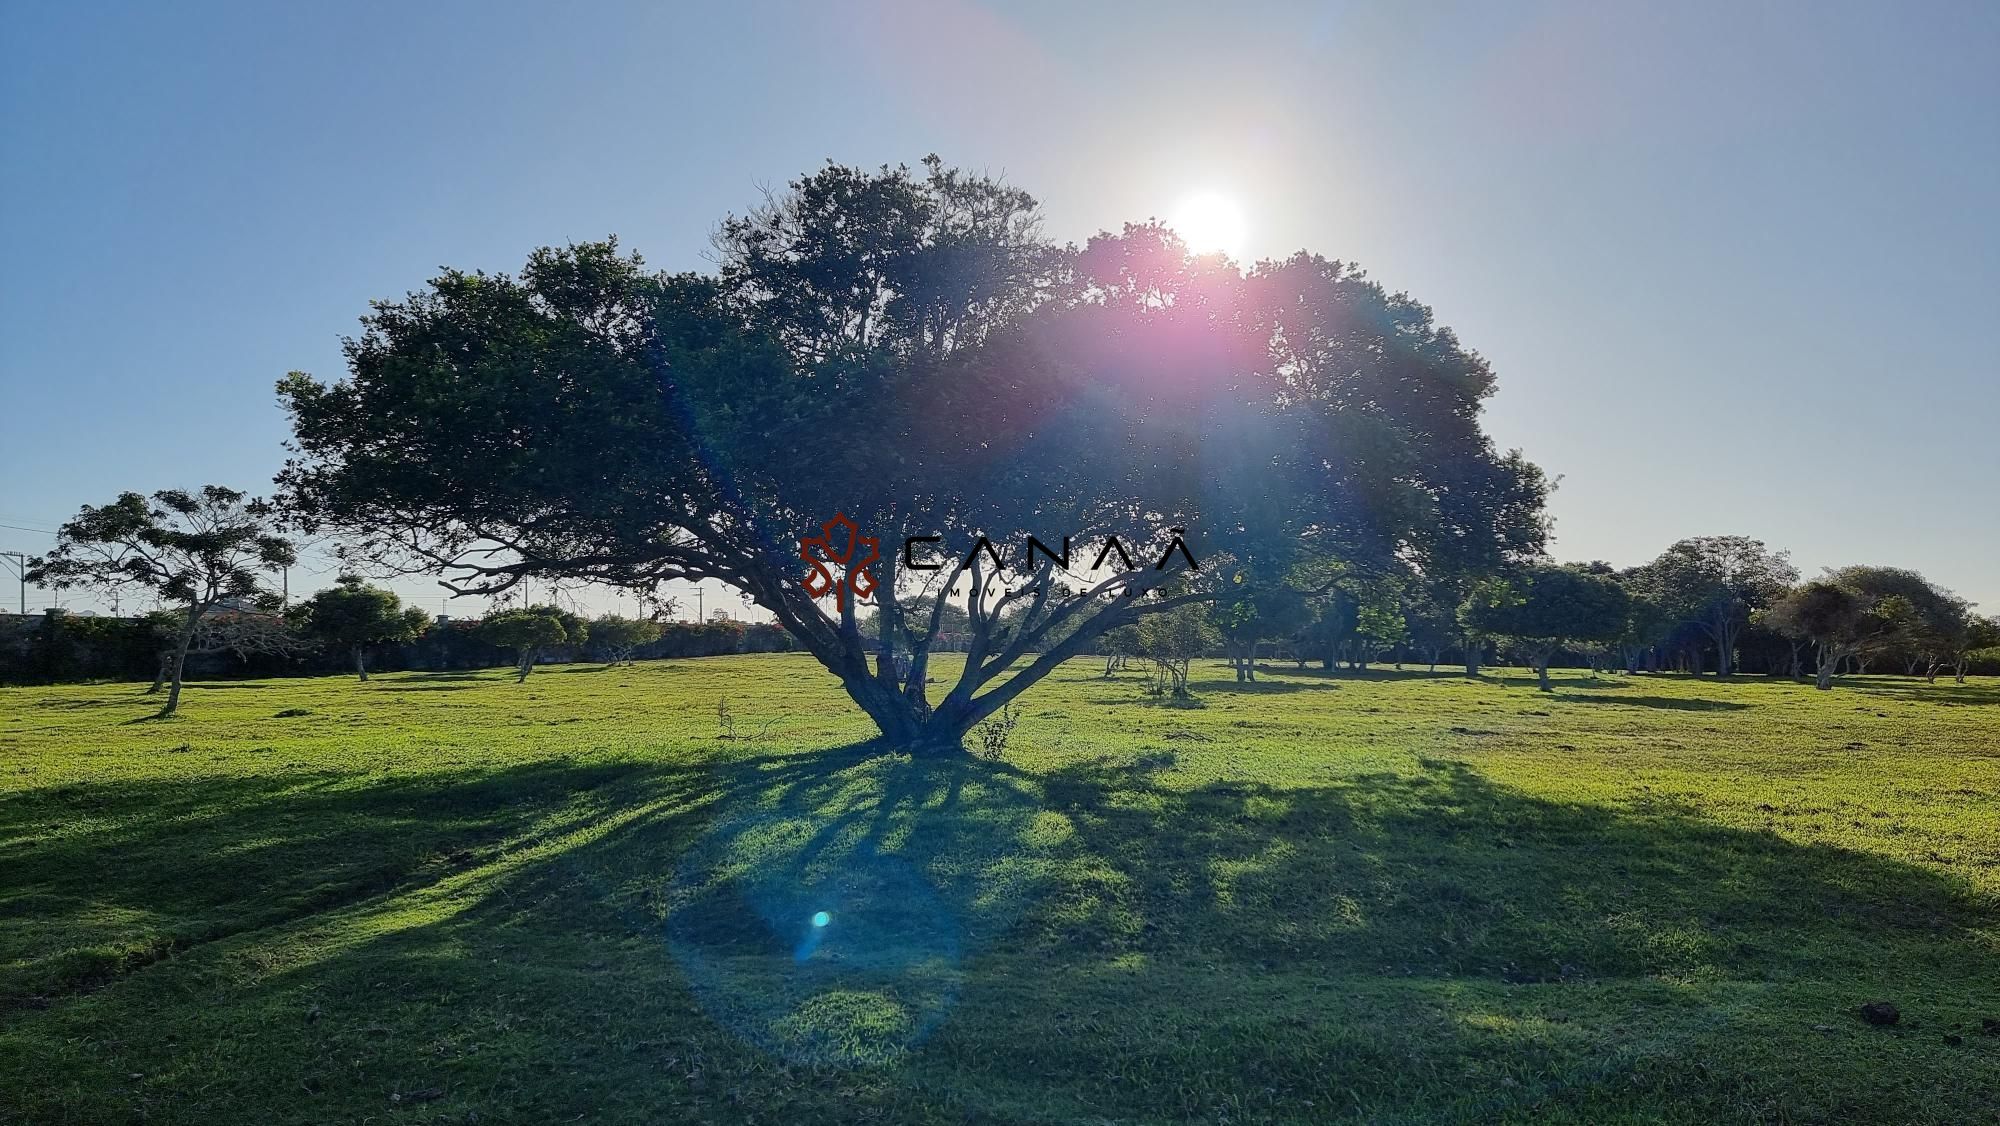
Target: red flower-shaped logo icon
(855,554)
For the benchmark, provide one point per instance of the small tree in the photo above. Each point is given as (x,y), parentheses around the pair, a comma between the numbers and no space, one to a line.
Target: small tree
(1246,623)
(1325,637)
(1378,624)
(1430,620)
(528,633)
(353,616)
(1646,623)
(1171,641)
(620,637)
(1546,607)
(199,550)
(1836,619)
(1715,582)
(1979,633)
(1119,645)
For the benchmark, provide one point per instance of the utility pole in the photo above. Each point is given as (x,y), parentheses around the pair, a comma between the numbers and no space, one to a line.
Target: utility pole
(697,604)
(21,568)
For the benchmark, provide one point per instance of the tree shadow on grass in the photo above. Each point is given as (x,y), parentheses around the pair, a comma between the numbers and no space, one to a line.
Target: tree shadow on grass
(1943,692)
(1667,703)
(57,703)
(1364,905)
(1518,678)
(1359,676)
(1118,929)
(1261,687)
(108,876)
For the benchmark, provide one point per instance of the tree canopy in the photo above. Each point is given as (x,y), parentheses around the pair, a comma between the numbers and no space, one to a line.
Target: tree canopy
(620,636)
(354,616)
(1543,608)
(194,549)
(904,348)
(531,631)
(1714,583)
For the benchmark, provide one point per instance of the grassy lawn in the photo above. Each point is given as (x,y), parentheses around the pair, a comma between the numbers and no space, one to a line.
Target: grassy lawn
(450,898)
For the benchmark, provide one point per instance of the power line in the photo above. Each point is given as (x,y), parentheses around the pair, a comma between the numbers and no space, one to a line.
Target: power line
(21,567)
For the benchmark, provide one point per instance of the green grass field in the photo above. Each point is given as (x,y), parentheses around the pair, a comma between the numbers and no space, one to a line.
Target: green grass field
(450,898)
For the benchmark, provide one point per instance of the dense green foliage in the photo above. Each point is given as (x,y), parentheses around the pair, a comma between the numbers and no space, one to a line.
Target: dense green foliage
(1542,609)
(352,616)
(198,550)
(532,632)
(902,347)
(620,637)
(1371,897)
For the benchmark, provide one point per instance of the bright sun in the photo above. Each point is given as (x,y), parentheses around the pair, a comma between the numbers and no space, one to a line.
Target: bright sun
(1211,222)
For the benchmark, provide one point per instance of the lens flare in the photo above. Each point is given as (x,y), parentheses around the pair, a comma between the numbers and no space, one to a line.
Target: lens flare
(821,918)
(1210,223)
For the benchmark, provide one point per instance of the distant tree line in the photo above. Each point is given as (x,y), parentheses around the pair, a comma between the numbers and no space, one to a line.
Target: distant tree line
(58,647)
(1721,605)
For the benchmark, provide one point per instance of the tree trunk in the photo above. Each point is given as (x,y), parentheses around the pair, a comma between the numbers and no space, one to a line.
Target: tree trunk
(1542,673)
(180,660)
(361,662)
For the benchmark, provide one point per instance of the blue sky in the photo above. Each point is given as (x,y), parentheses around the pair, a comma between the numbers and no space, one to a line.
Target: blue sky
(1738,267)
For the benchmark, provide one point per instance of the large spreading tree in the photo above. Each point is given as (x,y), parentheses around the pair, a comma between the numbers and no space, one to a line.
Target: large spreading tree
(902,347)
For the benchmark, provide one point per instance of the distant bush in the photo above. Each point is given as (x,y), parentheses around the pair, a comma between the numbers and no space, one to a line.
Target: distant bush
(714,639)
